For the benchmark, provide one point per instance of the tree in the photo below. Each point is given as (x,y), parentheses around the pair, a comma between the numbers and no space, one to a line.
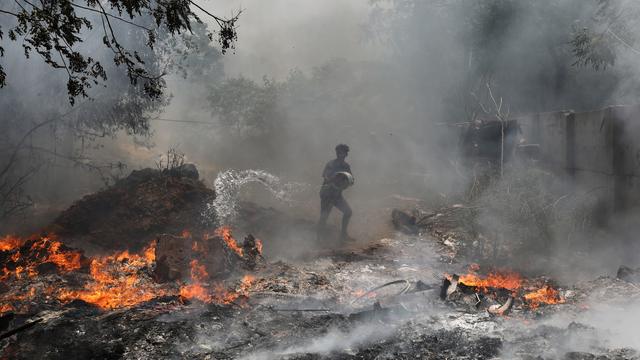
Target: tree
(38,141)
(246,109)
(56,30)
(522,47)
(613,27)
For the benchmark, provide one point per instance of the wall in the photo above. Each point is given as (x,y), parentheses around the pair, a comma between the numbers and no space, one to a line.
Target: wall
(596,150)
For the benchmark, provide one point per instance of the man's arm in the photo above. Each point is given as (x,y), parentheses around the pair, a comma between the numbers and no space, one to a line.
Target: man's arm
(326,173)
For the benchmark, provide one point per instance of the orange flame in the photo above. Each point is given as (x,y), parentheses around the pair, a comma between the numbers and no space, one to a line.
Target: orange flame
(199,290)
(45,249)
(116,281)
(198,272)
(195,291)
(544,295)
(67,260)
(512,281)
(16,298)
(242,290)
(5,307)
(504,279)
(225,233)
(10,242)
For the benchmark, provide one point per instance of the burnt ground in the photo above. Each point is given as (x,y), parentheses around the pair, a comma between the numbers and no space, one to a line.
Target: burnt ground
(310,310)
(314,308)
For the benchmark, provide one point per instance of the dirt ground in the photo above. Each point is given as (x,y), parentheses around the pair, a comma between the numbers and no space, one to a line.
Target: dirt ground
(316,305)
(311,310)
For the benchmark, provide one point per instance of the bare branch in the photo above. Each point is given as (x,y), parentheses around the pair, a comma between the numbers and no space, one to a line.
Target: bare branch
(219,20)
(618,38)
(8,12)
(111,15)
(13,156)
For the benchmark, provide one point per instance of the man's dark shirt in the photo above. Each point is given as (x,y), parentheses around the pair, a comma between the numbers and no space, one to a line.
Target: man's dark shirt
(334,166)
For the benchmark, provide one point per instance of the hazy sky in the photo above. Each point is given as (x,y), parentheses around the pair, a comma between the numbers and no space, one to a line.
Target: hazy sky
(278,35)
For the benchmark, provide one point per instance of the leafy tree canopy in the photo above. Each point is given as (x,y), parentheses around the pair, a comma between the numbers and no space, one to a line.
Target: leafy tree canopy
(612,27)
(56,30)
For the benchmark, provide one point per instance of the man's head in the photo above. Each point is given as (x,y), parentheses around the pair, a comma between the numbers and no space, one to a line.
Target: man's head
(342,151)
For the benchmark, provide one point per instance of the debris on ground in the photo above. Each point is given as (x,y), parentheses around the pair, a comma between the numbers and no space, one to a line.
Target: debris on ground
(129,214)
(198,293)
(453,226)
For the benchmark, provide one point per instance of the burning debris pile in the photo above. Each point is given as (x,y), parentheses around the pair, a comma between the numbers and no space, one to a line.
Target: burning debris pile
(133,211)
(140,260)
(40,273)
(199,293)
(499,292)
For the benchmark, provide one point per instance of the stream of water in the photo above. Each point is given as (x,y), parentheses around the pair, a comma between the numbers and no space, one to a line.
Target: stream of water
(228,184)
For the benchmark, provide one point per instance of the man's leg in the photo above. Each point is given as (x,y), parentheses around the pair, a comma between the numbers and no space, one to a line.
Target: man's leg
(326,204)
(343,206)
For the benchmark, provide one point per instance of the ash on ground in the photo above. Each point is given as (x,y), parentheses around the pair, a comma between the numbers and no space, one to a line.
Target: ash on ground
(322,307)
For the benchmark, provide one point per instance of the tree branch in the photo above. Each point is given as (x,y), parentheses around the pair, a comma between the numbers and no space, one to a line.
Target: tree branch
(216,18)
(615,36)
(111,15)
(13,156)
(8,13)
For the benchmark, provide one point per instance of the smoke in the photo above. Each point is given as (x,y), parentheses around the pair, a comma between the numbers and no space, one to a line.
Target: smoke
(391,79)
(394,79)
(333,340)
(607,328)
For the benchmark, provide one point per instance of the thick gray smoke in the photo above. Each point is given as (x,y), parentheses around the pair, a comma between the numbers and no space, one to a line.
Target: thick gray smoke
(394,79)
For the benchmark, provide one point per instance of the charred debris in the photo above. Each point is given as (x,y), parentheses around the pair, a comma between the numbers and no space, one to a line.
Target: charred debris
(132,272)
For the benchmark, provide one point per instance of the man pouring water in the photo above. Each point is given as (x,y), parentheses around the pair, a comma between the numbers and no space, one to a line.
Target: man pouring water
(336,178)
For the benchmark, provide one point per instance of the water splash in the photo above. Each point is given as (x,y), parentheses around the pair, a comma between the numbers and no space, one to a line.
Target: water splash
(224,208)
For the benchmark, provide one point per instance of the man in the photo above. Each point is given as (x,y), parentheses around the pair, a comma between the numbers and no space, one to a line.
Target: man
(336,177)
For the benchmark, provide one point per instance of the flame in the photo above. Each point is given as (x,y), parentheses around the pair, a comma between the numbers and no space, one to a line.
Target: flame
(198,271)
(544,295)
(10,242)
(217,292)
(65,260)
(44,249)
(122,279)
(195,291)
(514,282)
(499,279)
(116,281)
(199,290)
(241,291)
(16,298)
(225,233)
